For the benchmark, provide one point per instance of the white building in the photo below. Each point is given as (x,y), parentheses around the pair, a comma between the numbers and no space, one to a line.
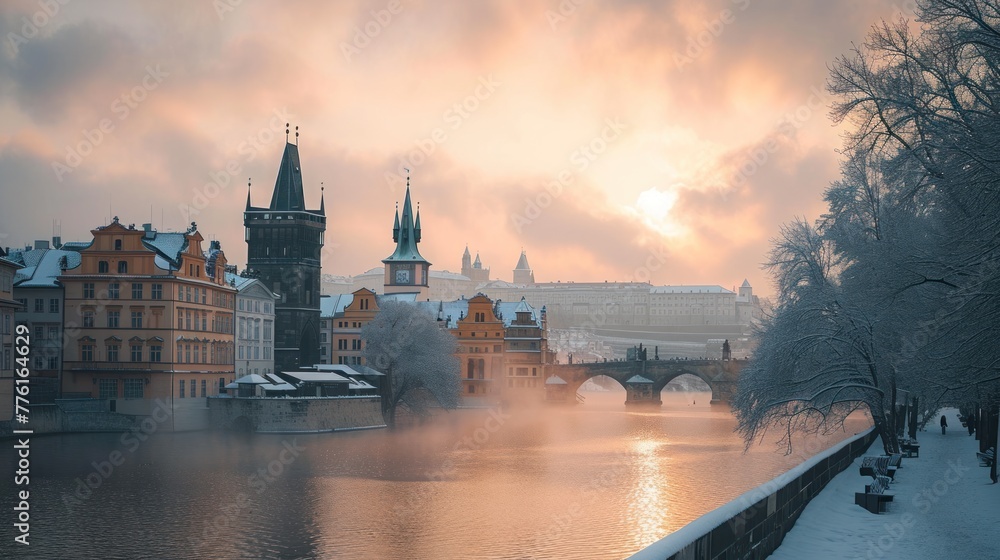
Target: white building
(254,326)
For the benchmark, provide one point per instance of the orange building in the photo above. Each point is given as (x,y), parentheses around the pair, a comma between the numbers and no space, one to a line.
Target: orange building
(480,337)
(149,317)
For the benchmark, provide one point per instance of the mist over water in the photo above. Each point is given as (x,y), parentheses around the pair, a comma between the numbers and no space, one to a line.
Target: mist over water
(591,481)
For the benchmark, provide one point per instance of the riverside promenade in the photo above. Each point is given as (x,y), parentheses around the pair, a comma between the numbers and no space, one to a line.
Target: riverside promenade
(945,506)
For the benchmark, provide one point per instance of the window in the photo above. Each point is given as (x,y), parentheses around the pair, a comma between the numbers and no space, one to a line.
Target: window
(39,332)
(197,354)
(342,344)
(53,362)
(88,290)
(267,330)
(102,267)
(240,352)
(187,353)
(355,345)
(122,267)
(193,389)
(53,332)
(113,290)
(156,291)
(180,387)
(107,388)
(113,319)
(118,244)
(53,305)
(136,352)
(133,388)
(241,303)
(39,305)
(136,290)
(204,388)
(180,319)
(155,353)
(112,352)
(87,353)
(497,348)
(137,319)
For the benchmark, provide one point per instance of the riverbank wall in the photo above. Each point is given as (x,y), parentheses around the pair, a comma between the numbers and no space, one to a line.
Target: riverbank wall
(295,415)
(753,525)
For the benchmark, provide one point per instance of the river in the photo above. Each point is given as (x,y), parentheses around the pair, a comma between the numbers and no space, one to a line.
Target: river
(592,481)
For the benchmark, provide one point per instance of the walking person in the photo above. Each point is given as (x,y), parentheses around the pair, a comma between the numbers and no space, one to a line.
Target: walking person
(970,422)
(944,424)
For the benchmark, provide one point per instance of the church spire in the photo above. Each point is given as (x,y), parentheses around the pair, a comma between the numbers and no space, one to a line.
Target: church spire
(405,232)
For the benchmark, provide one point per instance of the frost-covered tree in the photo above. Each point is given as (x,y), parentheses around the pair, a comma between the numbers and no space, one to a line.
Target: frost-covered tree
(898,284)
(417,357)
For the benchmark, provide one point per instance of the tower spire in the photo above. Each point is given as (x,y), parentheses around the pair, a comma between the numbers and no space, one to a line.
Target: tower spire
(248,193)
(322,199)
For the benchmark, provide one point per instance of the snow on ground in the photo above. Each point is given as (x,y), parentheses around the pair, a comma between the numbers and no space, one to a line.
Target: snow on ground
(945,506)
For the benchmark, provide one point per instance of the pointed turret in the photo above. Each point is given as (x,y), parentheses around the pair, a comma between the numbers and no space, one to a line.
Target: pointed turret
(322,201)
(395,226)
(248,196)
(416,227)
(522,272)
(406,271)
(478,263)
(466,262)
(288,186)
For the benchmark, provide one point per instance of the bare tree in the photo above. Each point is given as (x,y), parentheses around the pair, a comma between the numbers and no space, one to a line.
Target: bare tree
(417,356)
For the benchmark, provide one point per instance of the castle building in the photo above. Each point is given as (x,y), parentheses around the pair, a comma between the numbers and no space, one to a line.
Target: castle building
(474,271)
(153,322)
(406,271)
(284,245)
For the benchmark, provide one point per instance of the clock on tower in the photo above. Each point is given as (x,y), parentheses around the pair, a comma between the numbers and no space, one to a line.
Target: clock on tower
(402,276)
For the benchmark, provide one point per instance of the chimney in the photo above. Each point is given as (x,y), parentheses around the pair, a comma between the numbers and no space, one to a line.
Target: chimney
(57,242)
(147,228)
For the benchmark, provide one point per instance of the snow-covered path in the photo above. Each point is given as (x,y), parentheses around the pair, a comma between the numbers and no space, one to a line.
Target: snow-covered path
(945,507)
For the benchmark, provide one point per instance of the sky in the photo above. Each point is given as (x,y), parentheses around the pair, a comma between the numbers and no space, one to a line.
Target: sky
(620,140)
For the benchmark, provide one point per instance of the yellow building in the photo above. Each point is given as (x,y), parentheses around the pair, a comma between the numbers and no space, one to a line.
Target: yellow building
(149,317)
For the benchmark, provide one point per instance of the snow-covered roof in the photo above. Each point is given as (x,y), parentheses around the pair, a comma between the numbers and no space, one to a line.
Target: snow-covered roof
(333,305)
(638,379)
(252,379)
(555,380)
(168,247)
(689,290)
(317,376)
(42,266)
(283,386)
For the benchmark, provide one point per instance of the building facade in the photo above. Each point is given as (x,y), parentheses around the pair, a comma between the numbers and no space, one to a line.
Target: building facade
(254,325)
(156,322)
(8,306)
(284,249)
(38,289)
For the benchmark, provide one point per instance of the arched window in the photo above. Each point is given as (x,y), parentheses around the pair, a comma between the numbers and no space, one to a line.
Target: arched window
(472,369)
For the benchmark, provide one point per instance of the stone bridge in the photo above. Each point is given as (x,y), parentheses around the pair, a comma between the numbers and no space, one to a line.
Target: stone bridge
(644,379)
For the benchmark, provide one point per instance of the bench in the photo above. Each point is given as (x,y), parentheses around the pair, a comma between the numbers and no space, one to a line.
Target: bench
(877,466)
(874,497)
(896,460)
(986,459)
(910,447)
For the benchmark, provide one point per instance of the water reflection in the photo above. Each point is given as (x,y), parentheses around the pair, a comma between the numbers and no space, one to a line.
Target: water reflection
(593,481)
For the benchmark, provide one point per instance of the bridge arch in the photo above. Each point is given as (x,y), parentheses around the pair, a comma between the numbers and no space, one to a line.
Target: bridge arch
(719,375)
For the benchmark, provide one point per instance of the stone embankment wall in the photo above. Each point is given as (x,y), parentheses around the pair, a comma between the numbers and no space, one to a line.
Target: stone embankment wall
(310,414)
(753,525)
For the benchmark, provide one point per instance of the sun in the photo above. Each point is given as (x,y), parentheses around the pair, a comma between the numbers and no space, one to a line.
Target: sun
(654,207)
